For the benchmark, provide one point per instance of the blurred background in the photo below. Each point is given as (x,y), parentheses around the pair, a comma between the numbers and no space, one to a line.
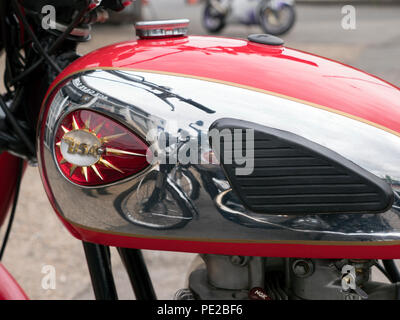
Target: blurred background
(370,42)
(322,27)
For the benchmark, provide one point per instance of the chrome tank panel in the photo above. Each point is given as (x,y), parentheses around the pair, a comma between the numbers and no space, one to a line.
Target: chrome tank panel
(134,98)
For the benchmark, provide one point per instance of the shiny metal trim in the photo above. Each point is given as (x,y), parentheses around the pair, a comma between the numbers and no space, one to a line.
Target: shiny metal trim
(233,84)
(162,28)
(78,32)
(161,23)
(133,98)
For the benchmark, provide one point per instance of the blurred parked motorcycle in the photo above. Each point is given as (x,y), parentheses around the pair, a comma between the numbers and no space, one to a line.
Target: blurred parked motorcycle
(275,17)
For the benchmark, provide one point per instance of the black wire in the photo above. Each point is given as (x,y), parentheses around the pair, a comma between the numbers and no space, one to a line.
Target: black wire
(71,26)
(12,214)
(20,15)
(10,117)
(53,47)
(26,72)
(398,291)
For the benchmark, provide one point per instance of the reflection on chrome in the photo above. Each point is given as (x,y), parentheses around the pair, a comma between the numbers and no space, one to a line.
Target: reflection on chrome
(195,200)
(157,203)
(316,224)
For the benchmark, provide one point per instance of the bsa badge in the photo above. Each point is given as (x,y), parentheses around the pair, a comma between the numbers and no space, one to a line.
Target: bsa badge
(92,149)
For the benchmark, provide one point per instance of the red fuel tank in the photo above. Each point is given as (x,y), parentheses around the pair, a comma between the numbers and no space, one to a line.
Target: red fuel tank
(348,116)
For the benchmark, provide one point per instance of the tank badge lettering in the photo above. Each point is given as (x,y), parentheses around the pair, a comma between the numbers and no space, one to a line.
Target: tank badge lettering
(84,147)
(74,146)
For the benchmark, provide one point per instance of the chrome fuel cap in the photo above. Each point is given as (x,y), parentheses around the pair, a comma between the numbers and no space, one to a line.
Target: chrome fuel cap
(162,28)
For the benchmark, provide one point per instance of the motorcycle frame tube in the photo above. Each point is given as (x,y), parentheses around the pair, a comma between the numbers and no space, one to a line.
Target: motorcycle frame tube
(138,274)
(9,288)
(99,264)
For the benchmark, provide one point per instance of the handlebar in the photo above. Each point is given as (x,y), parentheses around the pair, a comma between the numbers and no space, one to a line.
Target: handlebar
(116,5)
(37,5)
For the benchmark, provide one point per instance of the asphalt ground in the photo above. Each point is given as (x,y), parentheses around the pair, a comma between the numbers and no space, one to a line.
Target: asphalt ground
(38,238)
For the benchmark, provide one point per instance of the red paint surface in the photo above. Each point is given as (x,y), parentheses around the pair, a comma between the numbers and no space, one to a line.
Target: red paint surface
(9,288)
(276,69)
(8,180)
(321,251)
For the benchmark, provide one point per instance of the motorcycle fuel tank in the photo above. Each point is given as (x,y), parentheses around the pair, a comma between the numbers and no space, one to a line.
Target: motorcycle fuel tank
(320,180)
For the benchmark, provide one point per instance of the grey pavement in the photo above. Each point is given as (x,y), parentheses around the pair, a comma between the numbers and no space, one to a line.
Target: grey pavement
(38,237)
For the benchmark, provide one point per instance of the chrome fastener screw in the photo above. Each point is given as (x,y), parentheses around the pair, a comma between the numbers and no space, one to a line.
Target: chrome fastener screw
(302,268)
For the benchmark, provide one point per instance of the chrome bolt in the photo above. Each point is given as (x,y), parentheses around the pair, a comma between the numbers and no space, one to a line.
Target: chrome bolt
(302,268)
(101,150)
(239,260)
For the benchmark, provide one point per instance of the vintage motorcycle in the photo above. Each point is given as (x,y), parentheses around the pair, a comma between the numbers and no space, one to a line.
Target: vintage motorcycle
(275,17)
(278,167)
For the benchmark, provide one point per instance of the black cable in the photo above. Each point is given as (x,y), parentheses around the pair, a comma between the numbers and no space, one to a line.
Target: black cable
(17,99)
(26,72)
(20,15)
(10,117)
(14,206)
(53,47)
(392,270)
(71,26)
(8,70)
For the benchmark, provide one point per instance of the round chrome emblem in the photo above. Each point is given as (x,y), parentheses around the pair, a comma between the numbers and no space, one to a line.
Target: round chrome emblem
(91,149)
(81,147)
